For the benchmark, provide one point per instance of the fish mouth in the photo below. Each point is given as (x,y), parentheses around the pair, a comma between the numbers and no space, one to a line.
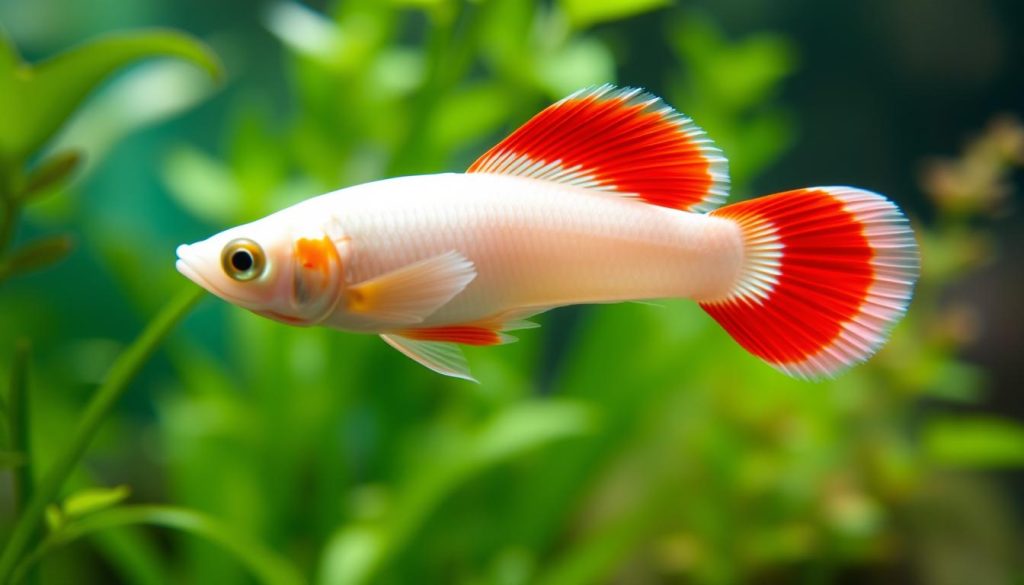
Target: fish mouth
(188,271)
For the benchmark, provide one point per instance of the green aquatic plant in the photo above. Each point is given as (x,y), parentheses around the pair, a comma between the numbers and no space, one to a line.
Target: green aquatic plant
(36,101)
(629,443)
(700,464)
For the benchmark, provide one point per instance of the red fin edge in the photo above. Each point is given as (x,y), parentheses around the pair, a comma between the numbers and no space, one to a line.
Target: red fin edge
(616,139)
(828,272)
(464,334)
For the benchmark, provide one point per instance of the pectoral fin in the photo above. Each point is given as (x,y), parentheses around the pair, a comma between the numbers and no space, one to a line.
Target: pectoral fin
(442,357)
(410,294)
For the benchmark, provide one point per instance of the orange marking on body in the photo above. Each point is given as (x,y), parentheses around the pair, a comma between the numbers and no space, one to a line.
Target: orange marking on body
(465,334)
(315,254)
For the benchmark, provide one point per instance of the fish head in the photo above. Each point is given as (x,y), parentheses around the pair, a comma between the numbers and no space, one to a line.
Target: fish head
(289,275)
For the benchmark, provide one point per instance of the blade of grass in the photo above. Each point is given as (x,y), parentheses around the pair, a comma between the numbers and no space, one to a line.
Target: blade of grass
(11,210)
(121,373)
(38,99)
(18,423)
(17,403)
(133,556)
(264,563)
(358,552)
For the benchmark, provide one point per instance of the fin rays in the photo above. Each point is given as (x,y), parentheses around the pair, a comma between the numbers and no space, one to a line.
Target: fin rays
(410,294)
(829,271)
(616,139)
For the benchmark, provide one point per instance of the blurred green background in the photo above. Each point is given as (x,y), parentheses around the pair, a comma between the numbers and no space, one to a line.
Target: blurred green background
(617,444)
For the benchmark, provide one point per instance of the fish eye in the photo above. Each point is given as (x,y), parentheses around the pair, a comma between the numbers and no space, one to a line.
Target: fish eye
(243,259)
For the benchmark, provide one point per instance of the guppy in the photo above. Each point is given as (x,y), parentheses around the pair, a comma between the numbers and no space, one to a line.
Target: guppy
(607,195)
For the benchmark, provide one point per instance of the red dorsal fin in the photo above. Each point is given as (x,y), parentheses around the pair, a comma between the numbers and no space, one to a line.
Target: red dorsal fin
(616,139)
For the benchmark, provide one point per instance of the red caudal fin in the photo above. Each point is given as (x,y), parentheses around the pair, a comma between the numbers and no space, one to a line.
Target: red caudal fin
(621,140)
(827,272)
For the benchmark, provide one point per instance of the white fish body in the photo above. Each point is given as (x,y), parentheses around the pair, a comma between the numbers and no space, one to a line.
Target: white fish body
(534,244)
(594,200)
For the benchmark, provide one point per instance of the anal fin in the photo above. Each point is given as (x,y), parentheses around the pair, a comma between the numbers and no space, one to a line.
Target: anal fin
(443,357)
(487,331)
(437,347)
(464,334)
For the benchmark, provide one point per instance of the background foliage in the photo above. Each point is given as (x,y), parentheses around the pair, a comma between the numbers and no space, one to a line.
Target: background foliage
(626,444)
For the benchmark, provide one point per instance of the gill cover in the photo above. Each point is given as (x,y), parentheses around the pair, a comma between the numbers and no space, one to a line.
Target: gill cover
(317,276)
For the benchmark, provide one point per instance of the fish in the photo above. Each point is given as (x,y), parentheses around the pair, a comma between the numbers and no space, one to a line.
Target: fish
(608,195)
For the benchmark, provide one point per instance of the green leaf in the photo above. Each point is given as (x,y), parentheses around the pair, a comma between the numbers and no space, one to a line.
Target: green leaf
(94,499)
(135,557)
(583,13)
(735,75)
(527,426)
(17,418)
(469,114)
(120,374)
(579,64)
(202,185)
(975,442)
(956,381)
(305,31)
(35,101)
(39,254)
(356,552)
(262,562)
(54,517)
(9,459)
(397,72)
(9,58)
(258,159)
(50,173)
(145,96)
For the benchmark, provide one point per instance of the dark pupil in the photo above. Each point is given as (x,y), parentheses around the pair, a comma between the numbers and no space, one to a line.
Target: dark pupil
(241,260)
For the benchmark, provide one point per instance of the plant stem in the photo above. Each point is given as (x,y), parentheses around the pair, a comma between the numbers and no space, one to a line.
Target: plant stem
(9,178)
(263,563)
(11,212)
(447,58)
(18,423)
(120,374)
